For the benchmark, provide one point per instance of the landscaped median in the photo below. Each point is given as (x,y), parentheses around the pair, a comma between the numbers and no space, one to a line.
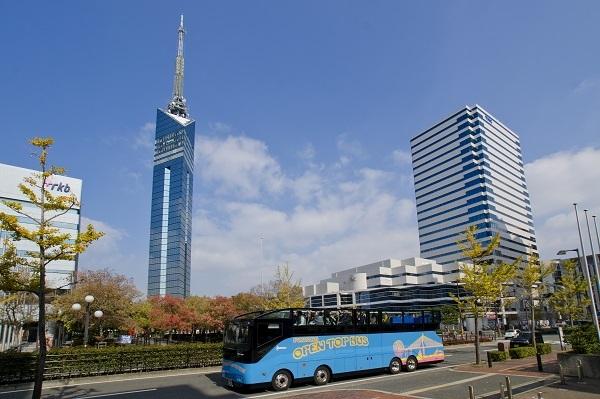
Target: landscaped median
(76,362)
(520,352)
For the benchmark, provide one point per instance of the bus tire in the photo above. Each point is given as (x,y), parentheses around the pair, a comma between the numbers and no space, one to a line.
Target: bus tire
(322,375)
(282,380)
(395,366)
(411,363)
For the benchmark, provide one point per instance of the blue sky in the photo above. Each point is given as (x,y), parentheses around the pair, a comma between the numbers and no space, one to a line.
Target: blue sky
(304,113)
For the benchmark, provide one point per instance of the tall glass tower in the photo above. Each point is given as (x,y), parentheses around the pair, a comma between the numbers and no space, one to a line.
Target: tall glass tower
(172,186)
(468,170)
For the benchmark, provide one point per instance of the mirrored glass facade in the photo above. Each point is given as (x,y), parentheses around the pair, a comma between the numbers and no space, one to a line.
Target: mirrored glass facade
(171,215)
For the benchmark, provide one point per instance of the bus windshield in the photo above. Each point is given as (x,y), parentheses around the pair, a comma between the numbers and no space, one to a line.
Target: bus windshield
(236,334)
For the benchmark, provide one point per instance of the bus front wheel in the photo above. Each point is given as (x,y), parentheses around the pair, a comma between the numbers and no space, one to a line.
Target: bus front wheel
(411,363)
(395,366)
(322,375)
(281,381)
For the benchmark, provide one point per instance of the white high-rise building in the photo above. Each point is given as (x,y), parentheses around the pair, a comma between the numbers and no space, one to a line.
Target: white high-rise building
(60,272)
(468,170)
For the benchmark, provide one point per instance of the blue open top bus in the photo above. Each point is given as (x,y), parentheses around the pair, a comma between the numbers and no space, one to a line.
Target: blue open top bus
(281,346)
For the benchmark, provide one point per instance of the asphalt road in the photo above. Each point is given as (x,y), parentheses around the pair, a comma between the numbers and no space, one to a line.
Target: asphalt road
(436,382)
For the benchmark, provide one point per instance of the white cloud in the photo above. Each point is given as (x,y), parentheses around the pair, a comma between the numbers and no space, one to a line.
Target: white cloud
(587,85)
(331,221)
(349,147)
(401,157)
(238,165)
(555,182)
(110,252)
(307,153)
(144,138)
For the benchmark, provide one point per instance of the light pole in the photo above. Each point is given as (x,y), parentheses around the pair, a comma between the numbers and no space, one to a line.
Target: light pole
(594,260)
(586,273)
(98,314)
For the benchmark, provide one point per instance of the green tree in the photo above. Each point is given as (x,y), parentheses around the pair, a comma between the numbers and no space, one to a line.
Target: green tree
(140,318)
(28,274)
(451,315)
(246,302)
(570,294)
(16,309)
(113,293)
(532,284)
(282,291)
(484,281)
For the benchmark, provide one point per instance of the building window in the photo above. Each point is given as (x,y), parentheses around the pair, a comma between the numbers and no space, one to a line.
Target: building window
(164,232)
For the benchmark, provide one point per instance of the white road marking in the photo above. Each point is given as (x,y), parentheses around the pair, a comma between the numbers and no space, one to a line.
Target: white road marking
(115,393)
(110,381)
(354,381)
(479,377)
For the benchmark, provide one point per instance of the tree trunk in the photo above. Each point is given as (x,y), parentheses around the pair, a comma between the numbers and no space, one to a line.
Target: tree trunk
(39,372)
(532,320)
(477,356)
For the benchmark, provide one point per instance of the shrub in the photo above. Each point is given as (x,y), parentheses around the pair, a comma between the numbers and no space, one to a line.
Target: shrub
(583,339)
(498,356)
(76,362)
(523,351)
(544,349)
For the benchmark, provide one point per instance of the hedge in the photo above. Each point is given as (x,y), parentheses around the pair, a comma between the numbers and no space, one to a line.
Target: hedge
(583,339)
(544,349)
(75,362)
(498,356)
(521,352)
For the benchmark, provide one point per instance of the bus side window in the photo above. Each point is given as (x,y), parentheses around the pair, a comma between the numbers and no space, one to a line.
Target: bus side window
(267,331)
(413,320)
(301,317)
(362,321)
(345,318)
(373,319)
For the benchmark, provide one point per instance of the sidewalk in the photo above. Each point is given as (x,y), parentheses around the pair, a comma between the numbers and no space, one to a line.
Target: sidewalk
(525,367)
(588,389)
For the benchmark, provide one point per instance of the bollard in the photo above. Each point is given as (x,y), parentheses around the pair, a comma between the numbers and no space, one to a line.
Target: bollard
(539,395)
(502,391)
(471,392)
(579,371)
(508,387)
(489,358)
(561,371)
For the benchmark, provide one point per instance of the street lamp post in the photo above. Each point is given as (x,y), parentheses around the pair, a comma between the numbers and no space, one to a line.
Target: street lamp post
(586,273)
(98,314)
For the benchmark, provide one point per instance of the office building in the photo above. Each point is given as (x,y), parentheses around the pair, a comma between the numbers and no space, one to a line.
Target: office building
(59,273)
(409,284)
(468,170)
(172,186)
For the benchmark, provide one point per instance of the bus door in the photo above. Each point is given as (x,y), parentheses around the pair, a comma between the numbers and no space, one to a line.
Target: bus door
(340,330)
(367,346)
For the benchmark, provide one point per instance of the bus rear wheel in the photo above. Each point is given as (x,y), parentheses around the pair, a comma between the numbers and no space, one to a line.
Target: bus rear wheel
(395,366)
(281,381)
(322,375)
(411,363)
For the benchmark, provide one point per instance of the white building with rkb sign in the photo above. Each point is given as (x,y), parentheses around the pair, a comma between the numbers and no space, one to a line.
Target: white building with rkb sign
(59,273)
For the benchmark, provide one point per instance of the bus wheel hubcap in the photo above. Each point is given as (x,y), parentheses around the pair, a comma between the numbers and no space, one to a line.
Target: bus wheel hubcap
(282,380)
(322,376)
(395,366)
(411,364)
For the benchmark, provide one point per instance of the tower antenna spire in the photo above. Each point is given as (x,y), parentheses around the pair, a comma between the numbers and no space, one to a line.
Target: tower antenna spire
(178,105)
